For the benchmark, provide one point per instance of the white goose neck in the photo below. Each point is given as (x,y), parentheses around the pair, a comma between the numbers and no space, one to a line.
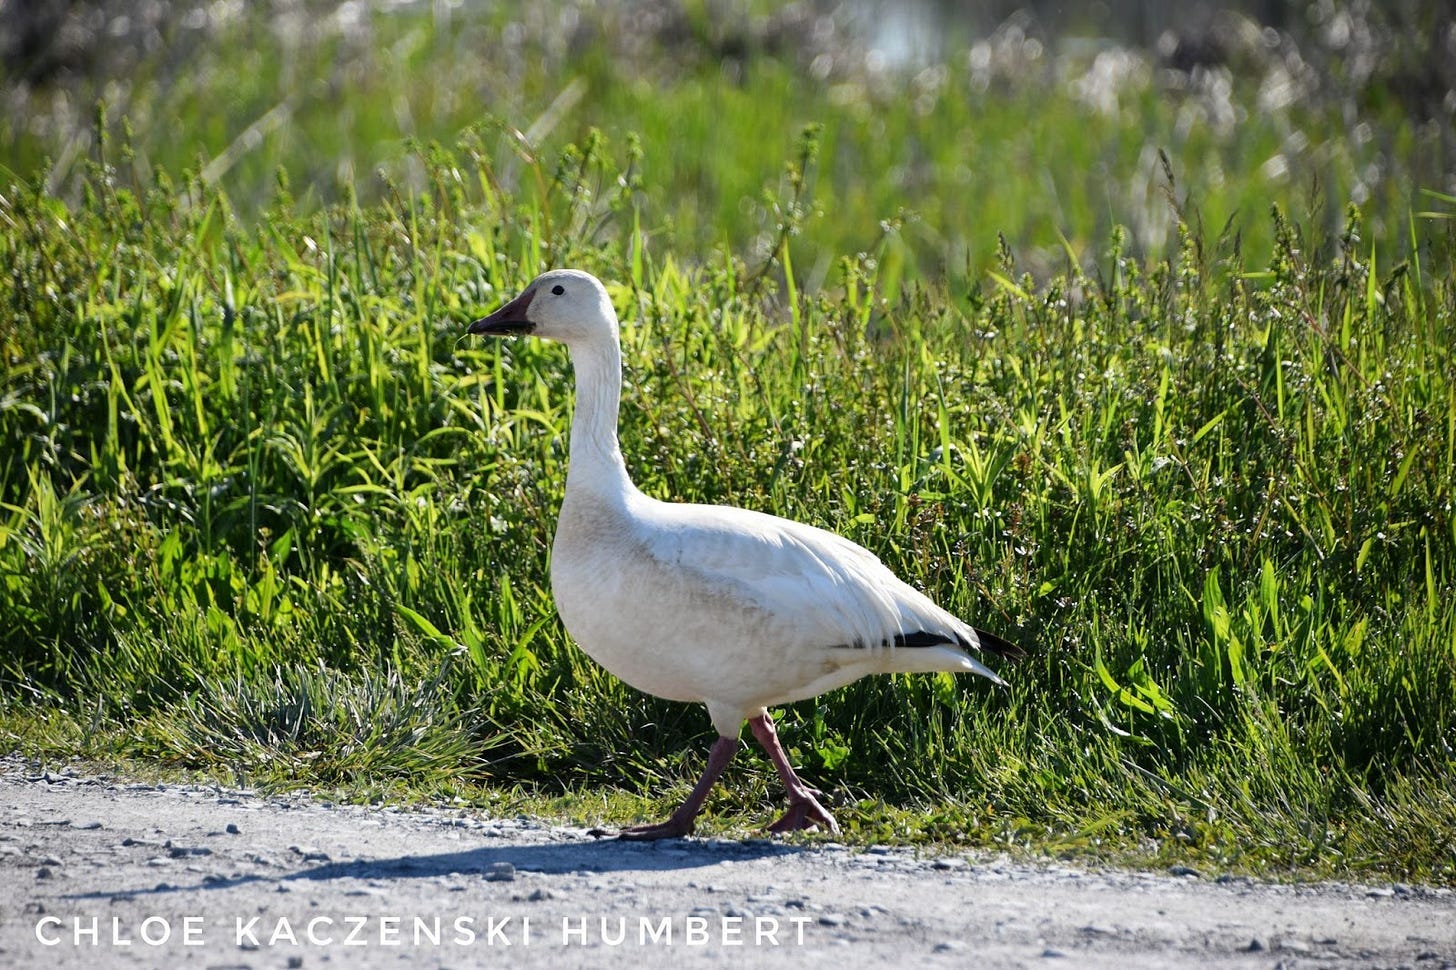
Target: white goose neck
(596,458)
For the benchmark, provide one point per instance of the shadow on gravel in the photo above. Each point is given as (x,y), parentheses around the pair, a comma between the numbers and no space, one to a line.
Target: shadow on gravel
(603,856)
(608,855)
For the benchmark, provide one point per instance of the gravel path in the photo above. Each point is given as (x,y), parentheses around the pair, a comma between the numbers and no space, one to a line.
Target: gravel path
(100,872)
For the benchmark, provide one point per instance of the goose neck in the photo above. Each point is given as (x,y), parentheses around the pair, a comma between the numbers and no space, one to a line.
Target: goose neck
(596,457)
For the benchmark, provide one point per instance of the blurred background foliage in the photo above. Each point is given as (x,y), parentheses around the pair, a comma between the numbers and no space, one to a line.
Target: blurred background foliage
(926,107)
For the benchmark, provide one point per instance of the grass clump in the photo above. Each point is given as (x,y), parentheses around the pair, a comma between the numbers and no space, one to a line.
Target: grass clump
(265,515)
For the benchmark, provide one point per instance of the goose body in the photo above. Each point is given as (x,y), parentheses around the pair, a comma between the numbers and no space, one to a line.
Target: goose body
(731,608)
(736,609)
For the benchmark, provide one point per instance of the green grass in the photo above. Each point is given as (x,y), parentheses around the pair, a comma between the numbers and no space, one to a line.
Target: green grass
(268,517)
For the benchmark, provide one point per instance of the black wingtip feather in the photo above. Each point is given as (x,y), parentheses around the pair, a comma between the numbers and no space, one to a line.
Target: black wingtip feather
(1004,649)
(990,643)
(920,638)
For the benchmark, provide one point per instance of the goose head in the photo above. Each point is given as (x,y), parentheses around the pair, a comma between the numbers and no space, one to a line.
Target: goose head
(566,305)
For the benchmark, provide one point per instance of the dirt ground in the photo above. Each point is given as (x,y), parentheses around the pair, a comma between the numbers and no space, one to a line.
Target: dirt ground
(102,872)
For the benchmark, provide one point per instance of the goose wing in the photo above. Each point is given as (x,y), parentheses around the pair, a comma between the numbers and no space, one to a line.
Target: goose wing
(825,590)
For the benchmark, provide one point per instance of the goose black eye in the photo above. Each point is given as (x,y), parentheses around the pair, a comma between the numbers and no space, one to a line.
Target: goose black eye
(558,289)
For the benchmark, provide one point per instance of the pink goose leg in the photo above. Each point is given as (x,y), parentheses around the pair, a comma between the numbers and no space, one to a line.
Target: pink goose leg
(681,821)
(804,810)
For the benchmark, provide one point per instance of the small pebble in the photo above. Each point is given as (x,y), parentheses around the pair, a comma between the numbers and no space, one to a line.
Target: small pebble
(1255,946)
(232,829)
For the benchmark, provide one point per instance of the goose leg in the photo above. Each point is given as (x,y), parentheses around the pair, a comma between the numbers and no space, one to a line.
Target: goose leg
(681,821)
(804,810)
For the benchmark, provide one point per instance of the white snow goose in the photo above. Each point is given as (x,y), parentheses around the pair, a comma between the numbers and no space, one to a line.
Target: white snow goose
(738,610)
